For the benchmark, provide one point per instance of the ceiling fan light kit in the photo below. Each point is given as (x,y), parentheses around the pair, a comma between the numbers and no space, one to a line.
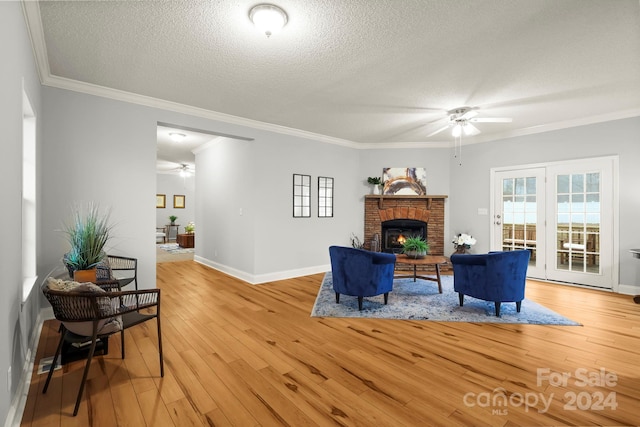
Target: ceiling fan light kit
(184,171)
(460,120)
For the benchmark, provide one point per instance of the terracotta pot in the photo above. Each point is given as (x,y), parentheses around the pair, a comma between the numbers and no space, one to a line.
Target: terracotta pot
(83,276)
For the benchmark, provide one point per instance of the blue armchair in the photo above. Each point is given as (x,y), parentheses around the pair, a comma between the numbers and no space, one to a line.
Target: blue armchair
(496,276)
(361,273)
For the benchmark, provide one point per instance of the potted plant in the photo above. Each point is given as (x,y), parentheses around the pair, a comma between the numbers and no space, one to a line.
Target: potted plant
(415,247)
(376,181)
(190,228)
(173,218)
(463,242)
(87,234)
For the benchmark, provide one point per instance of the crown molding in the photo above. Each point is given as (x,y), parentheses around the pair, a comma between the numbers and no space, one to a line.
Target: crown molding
(548,127)
(147,101)
(31,10)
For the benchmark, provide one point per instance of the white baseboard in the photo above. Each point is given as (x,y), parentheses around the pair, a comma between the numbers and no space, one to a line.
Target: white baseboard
(16,409)
(628,289)
(256,279)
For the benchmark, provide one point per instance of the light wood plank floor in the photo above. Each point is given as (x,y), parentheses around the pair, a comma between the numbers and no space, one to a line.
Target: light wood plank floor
(245,355)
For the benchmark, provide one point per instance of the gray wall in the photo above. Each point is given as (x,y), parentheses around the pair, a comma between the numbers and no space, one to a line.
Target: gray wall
(265,242)
(18,68)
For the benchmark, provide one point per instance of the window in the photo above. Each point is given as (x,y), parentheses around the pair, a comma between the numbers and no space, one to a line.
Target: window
(28,197)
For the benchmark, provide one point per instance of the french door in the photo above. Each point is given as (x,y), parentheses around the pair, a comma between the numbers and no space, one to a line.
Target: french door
(519,215)
(563,214)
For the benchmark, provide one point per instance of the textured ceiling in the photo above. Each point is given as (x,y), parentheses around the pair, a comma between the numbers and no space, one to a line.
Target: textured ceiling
(364,71)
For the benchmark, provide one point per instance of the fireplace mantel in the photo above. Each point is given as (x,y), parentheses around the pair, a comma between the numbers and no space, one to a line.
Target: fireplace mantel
(382,198)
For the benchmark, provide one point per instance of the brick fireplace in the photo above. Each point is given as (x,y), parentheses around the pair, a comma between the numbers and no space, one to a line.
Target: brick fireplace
(429,209)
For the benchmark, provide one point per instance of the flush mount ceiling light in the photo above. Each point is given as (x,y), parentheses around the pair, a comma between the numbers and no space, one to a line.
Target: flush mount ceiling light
(177,137)
(268,18)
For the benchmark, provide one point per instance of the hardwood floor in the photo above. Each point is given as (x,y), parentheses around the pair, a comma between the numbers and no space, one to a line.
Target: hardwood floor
(243,355)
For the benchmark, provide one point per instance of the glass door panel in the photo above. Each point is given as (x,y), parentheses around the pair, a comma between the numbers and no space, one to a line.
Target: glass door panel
(578,222)
(581,236)
(520,214)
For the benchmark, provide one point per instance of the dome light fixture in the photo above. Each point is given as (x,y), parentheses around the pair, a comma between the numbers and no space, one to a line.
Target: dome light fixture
(177,137)
(268,18)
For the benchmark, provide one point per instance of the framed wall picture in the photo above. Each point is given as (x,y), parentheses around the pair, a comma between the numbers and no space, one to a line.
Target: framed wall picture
(178,201)
(161,201)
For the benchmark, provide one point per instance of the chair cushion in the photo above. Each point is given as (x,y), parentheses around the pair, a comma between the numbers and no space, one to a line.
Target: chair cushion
(105,307)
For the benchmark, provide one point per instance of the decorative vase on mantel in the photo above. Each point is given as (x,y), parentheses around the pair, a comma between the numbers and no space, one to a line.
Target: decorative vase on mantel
(376,189)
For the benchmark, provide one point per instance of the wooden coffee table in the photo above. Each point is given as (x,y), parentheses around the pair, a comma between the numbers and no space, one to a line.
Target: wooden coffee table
(435,260)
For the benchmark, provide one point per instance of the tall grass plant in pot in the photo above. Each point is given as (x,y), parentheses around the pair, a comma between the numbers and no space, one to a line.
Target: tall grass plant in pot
(87,232)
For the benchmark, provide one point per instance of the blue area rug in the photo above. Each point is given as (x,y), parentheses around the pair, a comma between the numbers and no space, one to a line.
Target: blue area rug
(420,300)
(173,248)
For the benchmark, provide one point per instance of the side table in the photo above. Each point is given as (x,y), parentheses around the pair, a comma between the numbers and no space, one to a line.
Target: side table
(186,240)
(169,227)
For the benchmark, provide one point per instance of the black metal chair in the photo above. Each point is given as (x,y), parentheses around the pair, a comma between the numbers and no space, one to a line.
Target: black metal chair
(88,312)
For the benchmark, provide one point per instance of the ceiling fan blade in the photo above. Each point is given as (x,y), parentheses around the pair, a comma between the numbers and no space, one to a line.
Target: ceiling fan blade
(491,120)
(470,130)
(437,131)
(468,115)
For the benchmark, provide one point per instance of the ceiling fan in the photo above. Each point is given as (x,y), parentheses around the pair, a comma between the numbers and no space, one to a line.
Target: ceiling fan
(184,170)
(461,119)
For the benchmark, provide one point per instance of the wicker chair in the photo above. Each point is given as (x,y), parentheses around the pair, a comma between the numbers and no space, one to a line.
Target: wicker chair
(113,263)
(89,312)
(129,266)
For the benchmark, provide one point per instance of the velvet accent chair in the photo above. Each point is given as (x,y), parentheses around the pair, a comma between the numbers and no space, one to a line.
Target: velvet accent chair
(496,276)
(361,273)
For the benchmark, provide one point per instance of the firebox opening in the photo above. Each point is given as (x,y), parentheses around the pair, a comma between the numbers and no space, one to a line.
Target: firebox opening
(394,233)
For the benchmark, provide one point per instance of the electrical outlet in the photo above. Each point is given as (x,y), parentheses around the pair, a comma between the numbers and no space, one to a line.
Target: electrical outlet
(9,380)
